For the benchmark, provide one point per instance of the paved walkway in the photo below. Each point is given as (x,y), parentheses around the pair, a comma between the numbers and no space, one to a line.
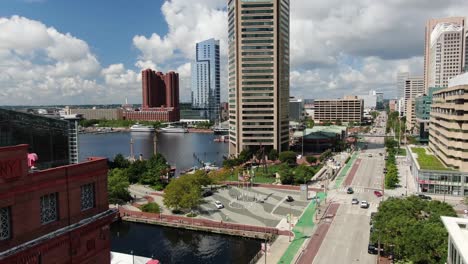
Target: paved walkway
(302,231)
(339,179)
(349,179)
(315,242)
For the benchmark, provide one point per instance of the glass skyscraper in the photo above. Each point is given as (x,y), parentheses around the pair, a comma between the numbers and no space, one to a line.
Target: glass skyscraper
(206,88)
(258,36)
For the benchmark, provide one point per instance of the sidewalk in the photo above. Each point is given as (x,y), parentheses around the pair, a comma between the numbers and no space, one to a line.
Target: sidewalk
(344,171)
(302,231)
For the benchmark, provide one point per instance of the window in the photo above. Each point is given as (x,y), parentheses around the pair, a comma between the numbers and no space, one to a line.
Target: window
(49,208)
(5,223)
(87,196)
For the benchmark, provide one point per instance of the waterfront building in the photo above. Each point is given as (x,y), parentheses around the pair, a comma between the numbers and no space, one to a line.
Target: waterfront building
(258,37)
(48,137)
(348,109)
(321,138)
(448,138)
(457,229)
(98,114)
(296,109)
(160,98)
(57,215)
(206,87)
(444,53)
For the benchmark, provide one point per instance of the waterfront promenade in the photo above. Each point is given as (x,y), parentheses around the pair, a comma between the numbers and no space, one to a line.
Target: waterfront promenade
(201,224)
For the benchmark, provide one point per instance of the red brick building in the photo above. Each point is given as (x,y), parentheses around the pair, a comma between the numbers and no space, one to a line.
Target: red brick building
(160,98)
(154,114)
(59,215)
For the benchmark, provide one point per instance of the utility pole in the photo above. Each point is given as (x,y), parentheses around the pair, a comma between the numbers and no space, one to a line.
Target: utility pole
(155,141)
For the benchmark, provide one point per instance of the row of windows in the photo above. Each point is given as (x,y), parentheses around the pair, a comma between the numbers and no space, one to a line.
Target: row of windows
(257,11)
(48,209)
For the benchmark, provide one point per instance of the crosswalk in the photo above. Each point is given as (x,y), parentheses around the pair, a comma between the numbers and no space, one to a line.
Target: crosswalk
(355,189)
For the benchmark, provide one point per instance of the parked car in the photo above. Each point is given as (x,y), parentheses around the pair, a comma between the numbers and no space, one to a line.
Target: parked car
(207,193)
(364,204)
(289,199)
(378,193)
(350,190)
(354,201)
(218,204)
(424,197)
(370,155)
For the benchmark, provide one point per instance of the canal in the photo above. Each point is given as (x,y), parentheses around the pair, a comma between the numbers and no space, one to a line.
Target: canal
(170,245)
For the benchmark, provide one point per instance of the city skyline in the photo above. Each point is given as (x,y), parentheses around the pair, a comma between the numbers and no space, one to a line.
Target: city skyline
(336,63)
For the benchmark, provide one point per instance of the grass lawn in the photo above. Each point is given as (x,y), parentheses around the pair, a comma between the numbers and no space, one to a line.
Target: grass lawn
(401,152)
(265,177)
(427,161)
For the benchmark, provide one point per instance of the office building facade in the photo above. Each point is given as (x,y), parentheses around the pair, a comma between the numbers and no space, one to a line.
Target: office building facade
(457,229)
(296,109)
(449,122)
(58,215)
(206,85)
(47,137)
(258,37)
(349,109)
(444,52)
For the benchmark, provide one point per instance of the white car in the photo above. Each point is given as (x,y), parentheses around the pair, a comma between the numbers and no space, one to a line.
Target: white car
(364,204)
(218,204)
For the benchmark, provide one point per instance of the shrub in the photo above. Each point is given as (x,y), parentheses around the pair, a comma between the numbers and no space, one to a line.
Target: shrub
(273,155)
(311,159)
(151,208)
(288,157)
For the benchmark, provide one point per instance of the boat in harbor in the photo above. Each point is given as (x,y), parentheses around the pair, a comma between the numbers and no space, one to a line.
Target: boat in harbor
(141,128)
(172,129)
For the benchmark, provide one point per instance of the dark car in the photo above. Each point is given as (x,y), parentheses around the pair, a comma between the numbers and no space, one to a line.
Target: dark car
(289,199)
(350,190)
(372,249)
(207,193)
(424,197)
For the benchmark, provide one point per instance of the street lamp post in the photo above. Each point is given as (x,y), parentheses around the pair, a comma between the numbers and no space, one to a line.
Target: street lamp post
(290,220)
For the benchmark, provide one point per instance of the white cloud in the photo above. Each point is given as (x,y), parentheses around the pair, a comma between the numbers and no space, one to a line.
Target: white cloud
(39,65)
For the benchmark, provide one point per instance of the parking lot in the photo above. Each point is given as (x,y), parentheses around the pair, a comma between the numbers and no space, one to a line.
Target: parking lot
(254,206)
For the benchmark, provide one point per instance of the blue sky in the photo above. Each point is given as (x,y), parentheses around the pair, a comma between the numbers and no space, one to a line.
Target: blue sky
(92,51)
(108,26)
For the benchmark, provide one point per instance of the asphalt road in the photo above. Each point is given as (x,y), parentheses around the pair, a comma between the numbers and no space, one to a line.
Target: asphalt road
(348,236)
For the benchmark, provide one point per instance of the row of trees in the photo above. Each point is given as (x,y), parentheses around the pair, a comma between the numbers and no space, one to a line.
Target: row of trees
(391,177)
(122,173)
(296,175)
(411,229)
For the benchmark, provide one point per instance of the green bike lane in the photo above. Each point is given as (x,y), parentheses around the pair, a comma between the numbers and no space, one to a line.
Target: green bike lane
(303,230)
(340,178)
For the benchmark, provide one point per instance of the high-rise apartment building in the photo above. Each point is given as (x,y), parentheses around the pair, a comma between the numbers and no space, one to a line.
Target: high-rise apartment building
(160,90)
(449,122)
(258,39)
(160,98)
(409,87)
(444,53)
(206,87)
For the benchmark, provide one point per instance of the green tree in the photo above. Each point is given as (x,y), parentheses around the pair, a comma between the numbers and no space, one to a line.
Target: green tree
(151,207)
(288,157)
(117,185)
(120,162)
(156,167)
(245,155)
(302,174)
(286,174)
(412,230)
(311,159)
(136,169)
(273,155)
(309,123)
(338,122)
(182,193)
(325,155)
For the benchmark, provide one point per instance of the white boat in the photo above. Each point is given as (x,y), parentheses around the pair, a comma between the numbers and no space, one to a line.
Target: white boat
(210,167)
(141,128)
(172,129)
